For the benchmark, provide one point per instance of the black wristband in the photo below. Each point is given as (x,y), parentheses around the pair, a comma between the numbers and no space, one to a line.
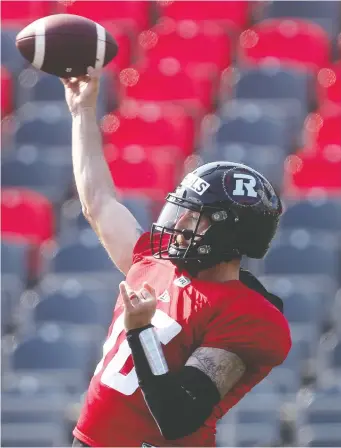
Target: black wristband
(143,355)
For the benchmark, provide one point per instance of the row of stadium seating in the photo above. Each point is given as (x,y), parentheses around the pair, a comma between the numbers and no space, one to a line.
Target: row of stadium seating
(255,82)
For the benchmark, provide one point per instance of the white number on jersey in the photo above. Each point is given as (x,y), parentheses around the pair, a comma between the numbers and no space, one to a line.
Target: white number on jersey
(166,328)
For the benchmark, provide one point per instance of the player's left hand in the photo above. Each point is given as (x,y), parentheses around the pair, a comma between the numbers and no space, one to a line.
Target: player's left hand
(139,306)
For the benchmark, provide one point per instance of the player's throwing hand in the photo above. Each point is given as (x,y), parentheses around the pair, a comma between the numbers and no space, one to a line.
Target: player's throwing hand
(82,92)
(139,307)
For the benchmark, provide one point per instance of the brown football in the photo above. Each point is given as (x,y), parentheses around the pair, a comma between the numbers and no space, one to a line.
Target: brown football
(65,45)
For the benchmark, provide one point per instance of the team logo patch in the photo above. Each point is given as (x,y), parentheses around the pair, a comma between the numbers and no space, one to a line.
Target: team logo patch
(182,281)
(243,187)
(195,183)
(164,297)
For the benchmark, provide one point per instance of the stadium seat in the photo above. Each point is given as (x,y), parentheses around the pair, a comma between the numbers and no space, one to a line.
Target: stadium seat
(49,349)
(160,167)
(151,125)
(254,128)
(15,259)
(328,133)
(248,135)
(306,174)
(168,83)
(31,401)
(75,308)
(21,13)
(234,17)
(286,377)
(288,89)
(285,41)
(257,434)
(41,97)
(325,13)
(323,409)
(6,313)
(6,92)
(141,207)
(336,357)
(81,257)
(33,435)
(32,414)
(315,214)
(47,88)
(329,84)
(196,46)
(132,14)
(301,254)
(249,411)
(26,214)
(45,132)
(11,289)
(321,435)
(29,170)
(10,56)
(303,310)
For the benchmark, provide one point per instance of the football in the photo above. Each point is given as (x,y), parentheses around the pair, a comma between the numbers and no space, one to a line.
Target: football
(65,45)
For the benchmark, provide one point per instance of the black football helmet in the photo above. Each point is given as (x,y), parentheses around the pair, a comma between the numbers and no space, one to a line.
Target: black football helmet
(240,205)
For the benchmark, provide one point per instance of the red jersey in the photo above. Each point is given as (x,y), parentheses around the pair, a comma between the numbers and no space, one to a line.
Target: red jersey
(190,313)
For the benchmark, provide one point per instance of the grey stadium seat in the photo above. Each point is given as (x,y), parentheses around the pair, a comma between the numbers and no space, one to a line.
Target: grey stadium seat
(14,259)
(76,308)
(325,13)
(313,258)
(49,350)
(286,377)
(141,208)
(84,256)
(10,56)
(51,179)
(289,90)
(319,214)
(41,132)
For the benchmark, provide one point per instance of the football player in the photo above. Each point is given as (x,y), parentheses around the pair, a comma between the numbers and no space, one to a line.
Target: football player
(191,333)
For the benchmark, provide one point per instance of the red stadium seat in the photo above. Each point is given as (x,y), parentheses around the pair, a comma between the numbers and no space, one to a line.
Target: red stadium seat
(329,84)
(152,171)
(189,42)
(309,171)
(295,43)
(133,14)
(21,13)
(150,125)
(322,129)
(234,13)
(168,84)
(26,214)
(6,92)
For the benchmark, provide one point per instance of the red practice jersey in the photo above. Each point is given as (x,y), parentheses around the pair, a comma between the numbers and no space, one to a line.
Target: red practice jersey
(190,313)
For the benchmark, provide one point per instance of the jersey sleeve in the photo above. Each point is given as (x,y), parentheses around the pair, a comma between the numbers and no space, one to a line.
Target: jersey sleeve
(255,339)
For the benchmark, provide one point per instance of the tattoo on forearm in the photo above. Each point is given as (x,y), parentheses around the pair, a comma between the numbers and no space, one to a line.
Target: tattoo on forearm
(223,367)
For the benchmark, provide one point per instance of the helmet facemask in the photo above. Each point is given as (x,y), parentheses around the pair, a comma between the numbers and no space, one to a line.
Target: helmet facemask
(204,229)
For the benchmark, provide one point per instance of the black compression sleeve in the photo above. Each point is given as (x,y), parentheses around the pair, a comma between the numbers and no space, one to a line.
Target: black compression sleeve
(179,402)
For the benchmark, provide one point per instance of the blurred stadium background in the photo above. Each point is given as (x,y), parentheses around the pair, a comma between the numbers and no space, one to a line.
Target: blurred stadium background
(194,81)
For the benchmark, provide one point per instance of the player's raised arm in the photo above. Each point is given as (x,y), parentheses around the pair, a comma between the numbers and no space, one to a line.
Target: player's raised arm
(115,226)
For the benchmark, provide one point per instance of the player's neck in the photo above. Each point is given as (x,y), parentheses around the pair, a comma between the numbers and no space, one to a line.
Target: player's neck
(221,273)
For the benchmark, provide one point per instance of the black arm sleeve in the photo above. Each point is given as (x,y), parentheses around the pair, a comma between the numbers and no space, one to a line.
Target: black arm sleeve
(179,402)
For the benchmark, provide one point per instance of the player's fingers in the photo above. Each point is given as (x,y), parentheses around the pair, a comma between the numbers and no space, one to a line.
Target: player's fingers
(94,73)
(125,297)
(148,291)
